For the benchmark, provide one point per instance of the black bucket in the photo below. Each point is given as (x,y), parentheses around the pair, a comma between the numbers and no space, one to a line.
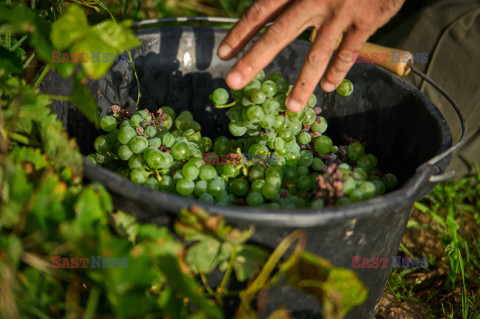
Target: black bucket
(178,66)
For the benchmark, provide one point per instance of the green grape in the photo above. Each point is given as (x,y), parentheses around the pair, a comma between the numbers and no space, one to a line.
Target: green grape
(389,180)
(182,122)
(235,113)
(168,139)
(379,187)
(295,127)
(166,184)
(239,187)
(144,115)
(270,107)
(108,123)
(136,120)
(260,76)
(254,114)
(186,114)
(279,122)
(155,142)
(219,96)
(267,121)
(360,174)
(348,185)
(180,151)
(275,77)
(169,111)
(304,138)
(125,134)
(201,187)
(274,180)
(149,131)
(257,185)
(216,186)
(136,161)
(323,144)
(344,167)
(102,158)
(334,149)
(221,145)
(306,158)
(167,160)
(197,161)
(245,101)
(230,171)
(207,172)
(167,122)
(373,159)
(124,152)
(190,171)
(138,175)
(317,204)
(152,183)
(254,199)
(296,116)
(304,183)
(345,88)
(269,191)
(91,158)
(256,172)
(185,187)
(290,173)
(366,163)
(369,190)
(356,195)
(138,144)
(102,144)
(194,125)
(269,88)
(320,125)
(154,158)
(302,170)
(206,197)
(125,123)
(287,136)
(312,101)
(257,96)
(292,159)
(374,178)
(318,164)
(253,84)
(355,151)
(237,128)
(310,117)
(205,144)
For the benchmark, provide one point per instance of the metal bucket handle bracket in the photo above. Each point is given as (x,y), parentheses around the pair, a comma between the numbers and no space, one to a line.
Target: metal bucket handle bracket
(402,70)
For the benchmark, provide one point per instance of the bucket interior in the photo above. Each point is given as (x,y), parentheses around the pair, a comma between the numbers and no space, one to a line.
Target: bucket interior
(178,67)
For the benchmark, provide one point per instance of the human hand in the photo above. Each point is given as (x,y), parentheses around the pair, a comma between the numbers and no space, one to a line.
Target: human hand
(355,20)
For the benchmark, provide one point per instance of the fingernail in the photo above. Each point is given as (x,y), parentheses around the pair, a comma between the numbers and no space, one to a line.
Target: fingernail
(224,50)
(293,105)
(234,80)
(327,86)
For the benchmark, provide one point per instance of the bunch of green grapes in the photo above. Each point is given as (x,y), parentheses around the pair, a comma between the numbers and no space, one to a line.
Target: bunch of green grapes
(277,158)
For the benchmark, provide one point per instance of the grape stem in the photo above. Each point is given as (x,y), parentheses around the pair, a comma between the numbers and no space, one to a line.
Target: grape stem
(224,106)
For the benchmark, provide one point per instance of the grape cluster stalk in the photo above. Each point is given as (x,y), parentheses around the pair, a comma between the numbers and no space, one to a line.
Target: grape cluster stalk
(296,166)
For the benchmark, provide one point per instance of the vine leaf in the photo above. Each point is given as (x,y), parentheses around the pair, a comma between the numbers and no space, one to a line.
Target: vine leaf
(71,25)
(82,98)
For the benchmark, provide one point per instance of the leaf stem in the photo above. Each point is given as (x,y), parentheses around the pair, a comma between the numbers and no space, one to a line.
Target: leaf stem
(29,60)
(19,138)
(42,76)
(228,272)
(139,94)
(65,98)
(226,105)
(19,42)
(92,303)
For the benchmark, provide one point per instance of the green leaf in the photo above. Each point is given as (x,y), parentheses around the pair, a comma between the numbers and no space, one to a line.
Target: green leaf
(89,208)
(82,98)
(71,25)
(249,261)
(17,19)
(125,225)
(9,61)
(31,155)
(10,249)
(204,256)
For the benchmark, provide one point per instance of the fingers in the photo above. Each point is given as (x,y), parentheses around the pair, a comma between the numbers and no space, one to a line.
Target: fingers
(315,65)
(343,59)
(285,29)
(257,15)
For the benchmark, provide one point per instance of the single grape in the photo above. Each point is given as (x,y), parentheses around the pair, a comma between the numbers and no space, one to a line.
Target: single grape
(254,199)
(269,191)
(108,123)
(125,134)
(304,138)
(138,144)
(323,144)
(253,84)
(206,197)
(257,96)
(149,131)
(136,120)
(355,151)
(207,172)
(310,117)
(369,190)
(366,163)
(343,201)
(269,88)
(168,139)
(154,158)
(190,171)
(389,180)
(257,185)
(124,152)
(254,114)
(318,164)
(166,184)
(169,111)
(356,195)
(270,107)
(274,180)
(267,122)
(219,96)
(320,125)
(125,123)
(348,185)
(205,144)
(260,76)
(237,128)
(239,187)
(138,175)
(136,161)
(360,174)
(216,186)
(102,144)
(304,183)
(379,187)
(345,88)
(145,116)
(201,187)
(152,183)
(312,101)
(197,161)
(180,151)
(317,204)
(155,142)
(91,158)
(185,187)
(306,158)
(230,171)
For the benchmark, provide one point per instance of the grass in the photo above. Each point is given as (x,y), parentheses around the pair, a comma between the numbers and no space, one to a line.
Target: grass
(445,228)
